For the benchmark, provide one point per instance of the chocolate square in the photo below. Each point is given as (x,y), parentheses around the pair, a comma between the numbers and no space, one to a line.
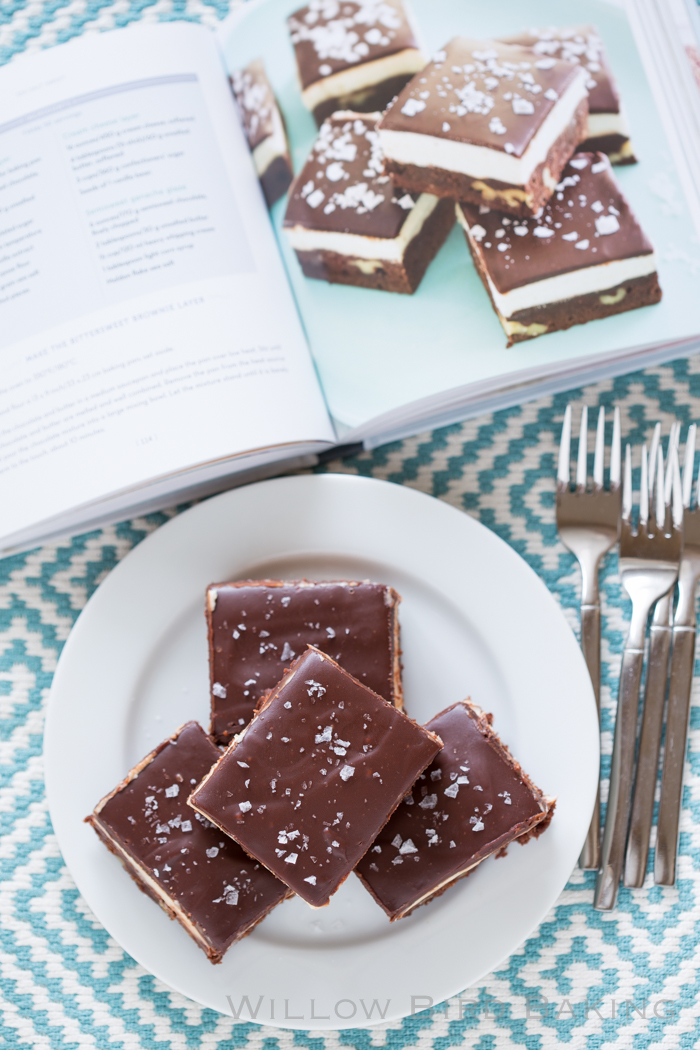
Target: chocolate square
(582,45)
(353,54)
(487,122)
(309,784)
(197,875)
(264,129)
(349,225)
(587,245)
(256,629)
(470,803)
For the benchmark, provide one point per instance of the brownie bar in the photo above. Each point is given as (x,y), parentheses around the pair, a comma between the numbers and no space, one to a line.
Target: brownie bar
(511,199)
(472,802)
(307,787)
(607,128)
(197,875)
(347,223)
(356,55)
(486,122)
(586,257)
(257,627)
(264,129)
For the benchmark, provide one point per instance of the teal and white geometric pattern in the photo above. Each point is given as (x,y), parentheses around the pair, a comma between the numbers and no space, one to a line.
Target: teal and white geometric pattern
(584,980)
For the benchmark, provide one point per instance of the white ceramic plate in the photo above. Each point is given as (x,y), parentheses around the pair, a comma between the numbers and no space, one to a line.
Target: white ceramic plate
(475,621)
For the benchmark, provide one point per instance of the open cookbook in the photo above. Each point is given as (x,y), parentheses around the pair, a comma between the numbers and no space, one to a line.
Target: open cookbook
(163,335)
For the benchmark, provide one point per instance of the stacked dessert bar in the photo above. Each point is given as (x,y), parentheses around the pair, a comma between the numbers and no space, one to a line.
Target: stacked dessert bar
(523,129)
(312,771)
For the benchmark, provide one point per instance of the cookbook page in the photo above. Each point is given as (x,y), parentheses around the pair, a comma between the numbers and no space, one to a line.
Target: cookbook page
(146,323)
(378,351)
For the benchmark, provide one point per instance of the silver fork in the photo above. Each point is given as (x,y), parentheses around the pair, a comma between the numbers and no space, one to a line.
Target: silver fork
(654,698)
(648,568)
(680,681)
(588,522)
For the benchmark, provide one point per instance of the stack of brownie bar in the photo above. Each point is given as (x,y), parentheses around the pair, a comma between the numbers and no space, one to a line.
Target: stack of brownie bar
(523,128)
(312,770)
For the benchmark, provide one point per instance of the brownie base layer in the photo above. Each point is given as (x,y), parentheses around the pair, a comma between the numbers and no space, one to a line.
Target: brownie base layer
(557,317)
(378,273)
(373,98)
(523,201)
(617,147)
(276,179)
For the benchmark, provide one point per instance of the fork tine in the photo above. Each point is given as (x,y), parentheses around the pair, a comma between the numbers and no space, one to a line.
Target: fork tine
(677,492)
(599,455)
(653,450)
(660,493)
(627,486)
(644,488)
(582,462)
(615,449)
(673,441)
(688,463)
(564,469)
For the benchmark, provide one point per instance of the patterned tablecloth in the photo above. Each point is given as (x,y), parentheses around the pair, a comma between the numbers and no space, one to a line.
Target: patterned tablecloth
(583,979)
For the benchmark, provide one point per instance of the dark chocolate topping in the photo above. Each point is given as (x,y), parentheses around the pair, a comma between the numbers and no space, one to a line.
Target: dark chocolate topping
(587,221)
(470,802)
(256,630)
(582,46)
(331,35)
(315,776)
(256,102)
(342,186)
(482,92)
(221,889)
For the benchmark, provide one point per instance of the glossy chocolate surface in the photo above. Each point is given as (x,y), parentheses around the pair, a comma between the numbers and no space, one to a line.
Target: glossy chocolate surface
(481,92)
(219,887)
(256,629)
(586,222)
(256,102)
(583,46)
(342,186)
(472,801)
(314,777)
(332,35)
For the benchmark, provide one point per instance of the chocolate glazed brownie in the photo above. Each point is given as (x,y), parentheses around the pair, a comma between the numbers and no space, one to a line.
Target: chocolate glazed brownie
(586,257)
(308,785)
(264,129)
(353,54)
(488,123)
(349,225)
(176,857)
(257,627)
(582,45)
(472,802)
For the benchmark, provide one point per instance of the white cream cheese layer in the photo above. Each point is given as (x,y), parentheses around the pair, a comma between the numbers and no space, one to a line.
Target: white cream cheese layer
(428,151)
(274,146)
(607,124)
(363,75)
(357,246)
(587,280)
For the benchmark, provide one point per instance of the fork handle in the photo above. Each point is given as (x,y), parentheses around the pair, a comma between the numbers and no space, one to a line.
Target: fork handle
(621,773)
(590,644)
(649,745)
(682,665)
